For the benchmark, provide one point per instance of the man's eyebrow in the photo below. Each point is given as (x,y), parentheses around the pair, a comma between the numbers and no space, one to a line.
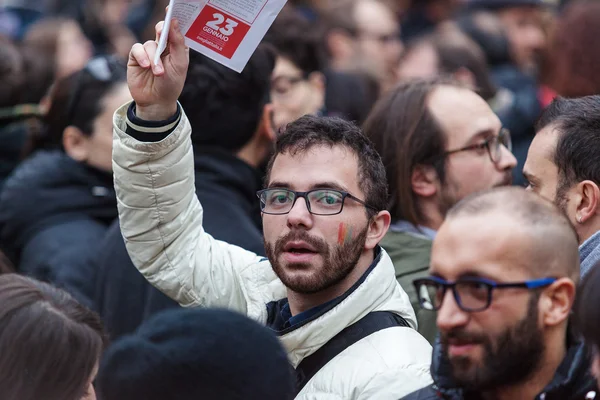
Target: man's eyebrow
(329,185)
(280,185)
(481,135)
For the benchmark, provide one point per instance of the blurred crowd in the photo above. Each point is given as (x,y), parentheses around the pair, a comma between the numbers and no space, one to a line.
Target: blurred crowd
(459,98)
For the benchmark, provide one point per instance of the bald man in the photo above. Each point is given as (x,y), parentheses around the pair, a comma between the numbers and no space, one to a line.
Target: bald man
(504,268)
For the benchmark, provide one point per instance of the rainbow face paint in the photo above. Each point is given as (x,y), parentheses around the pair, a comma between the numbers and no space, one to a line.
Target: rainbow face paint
(344,234)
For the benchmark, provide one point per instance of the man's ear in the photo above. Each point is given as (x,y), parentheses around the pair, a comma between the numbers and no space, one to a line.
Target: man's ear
(424,180)
(266,127)
(76,144)
(378,227)
(557,301)
(317,80)
(588,199)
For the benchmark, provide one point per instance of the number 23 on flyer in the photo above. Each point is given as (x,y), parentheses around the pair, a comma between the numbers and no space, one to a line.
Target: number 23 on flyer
(218,31)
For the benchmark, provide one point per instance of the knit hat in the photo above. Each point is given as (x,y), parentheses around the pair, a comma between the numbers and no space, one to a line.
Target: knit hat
(189,354)
(497,4)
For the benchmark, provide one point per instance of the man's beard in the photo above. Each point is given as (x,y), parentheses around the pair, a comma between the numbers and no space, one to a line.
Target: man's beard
(511,359)
(449,197)
(338,262)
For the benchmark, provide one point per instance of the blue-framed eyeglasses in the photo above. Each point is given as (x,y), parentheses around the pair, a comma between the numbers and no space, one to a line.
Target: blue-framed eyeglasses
(471,294)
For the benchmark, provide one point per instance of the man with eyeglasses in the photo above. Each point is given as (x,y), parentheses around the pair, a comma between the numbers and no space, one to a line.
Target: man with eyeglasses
(327,289)
(503,273)
(440,142)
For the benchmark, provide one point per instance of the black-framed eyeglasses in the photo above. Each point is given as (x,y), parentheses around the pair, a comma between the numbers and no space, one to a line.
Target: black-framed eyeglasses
(279,201)
(101,69)
(471,294)
(493,145)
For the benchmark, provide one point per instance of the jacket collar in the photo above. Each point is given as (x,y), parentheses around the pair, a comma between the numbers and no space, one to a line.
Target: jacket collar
(572,380)
(377,290)
(589,253)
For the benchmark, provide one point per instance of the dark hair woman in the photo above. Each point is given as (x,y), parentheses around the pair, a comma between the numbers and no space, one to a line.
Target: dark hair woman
(50,345)
(57,204)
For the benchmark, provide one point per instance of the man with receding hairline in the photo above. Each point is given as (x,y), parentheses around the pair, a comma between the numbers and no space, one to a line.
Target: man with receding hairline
(504,268)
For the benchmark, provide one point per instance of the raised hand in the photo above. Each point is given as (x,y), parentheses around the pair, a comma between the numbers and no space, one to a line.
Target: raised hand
(156,88)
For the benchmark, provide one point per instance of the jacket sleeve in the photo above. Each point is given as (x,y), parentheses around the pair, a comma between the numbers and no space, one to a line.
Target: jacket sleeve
(161,219)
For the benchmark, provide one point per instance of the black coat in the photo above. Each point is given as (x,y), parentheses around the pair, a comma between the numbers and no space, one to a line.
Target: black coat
(226,187)
(572,380)
(53,213)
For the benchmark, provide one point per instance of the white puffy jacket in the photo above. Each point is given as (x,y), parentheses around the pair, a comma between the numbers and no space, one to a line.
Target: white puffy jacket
(161,220)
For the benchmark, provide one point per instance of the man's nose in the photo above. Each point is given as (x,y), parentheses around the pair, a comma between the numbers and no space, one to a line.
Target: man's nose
(299,214)
(450,315)
(507,160)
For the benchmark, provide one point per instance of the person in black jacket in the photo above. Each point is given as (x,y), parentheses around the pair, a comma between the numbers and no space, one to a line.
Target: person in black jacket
(504,268)
(232,136)
(57,204)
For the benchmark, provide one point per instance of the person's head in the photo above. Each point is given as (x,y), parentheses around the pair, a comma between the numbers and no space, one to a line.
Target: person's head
(448,52)
(487,31)
(586,314)
(562,162)
(574,54)
(504,268)
(439,142)
(231,111)
(363,35)
(5,264)
(324,241)
(196,354)
(82,105)
(50,345)
(297,83)
(63,41)
(523,21)
(12,77)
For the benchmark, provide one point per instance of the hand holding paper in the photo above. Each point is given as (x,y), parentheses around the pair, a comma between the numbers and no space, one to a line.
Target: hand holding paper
(155,88)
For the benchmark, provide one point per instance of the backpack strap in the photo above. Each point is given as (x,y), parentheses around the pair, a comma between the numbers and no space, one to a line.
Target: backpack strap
(369,324)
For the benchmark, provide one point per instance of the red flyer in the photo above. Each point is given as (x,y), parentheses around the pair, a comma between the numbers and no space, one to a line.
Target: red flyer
(228,31)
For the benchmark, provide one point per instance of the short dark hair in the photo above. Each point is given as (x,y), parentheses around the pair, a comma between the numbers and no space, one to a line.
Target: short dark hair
(225,108)
(47,337)
(297,39)
(12,76)
(554,248)
(577,122)
(406,134)
(455,51)
(310,131)
(77,100)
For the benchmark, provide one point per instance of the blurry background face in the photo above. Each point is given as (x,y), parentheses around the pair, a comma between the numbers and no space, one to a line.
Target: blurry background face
(73,51)
(503,344)
(420,62)
(100,142)
(524,27)
(337,241)
(467,120)
(293,94)
(378,44)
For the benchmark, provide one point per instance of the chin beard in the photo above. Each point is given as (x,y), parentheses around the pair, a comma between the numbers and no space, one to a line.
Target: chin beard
(337,263)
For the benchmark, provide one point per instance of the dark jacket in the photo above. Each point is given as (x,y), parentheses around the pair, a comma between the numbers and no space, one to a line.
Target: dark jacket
(572,381)
(53,213)
(226,187)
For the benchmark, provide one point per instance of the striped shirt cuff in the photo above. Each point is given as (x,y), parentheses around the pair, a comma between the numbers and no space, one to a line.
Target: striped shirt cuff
(150,131)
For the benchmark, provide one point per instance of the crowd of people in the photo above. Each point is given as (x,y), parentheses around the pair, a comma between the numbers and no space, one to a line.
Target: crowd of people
(395,199)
